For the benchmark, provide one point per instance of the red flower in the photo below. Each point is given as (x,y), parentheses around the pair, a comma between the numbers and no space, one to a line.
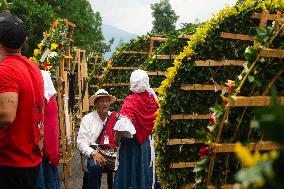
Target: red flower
(230,85)
(64,34)
(60,46)
(53,24)
(203,152)
(46,65)
(225,100)
(212,118)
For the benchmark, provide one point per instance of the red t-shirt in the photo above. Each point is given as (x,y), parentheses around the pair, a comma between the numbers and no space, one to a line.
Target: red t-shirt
(21,142)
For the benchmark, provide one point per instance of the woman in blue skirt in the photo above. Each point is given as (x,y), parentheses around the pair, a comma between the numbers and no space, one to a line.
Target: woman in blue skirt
(135,162)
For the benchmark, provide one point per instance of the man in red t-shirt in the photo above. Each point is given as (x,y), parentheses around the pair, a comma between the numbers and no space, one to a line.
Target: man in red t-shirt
(21,108)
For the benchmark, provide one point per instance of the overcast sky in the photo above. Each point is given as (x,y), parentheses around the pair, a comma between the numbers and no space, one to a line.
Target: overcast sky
(135,16)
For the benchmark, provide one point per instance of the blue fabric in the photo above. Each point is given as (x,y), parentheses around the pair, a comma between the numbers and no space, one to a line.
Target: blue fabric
(94,175)
(48,177)
(134,160)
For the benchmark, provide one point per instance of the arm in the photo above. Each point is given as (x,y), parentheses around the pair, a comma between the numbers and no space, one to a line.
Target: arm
(123,128)
(84,138)
(8,109)
(84,142)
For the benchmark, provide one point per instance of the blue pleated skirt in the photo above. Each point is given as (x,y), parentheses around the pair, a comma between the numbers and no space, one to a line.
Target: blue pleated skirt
(134,171)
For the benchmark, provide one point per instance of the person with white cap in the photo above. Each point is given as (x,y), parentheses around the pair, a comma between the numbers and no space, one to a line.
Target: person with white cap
(133,131)
(92,132)
(21,108)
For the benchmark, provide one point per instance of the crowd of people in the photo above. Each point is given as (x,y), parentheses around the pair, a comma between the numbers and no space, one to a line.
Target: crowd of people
(113,142)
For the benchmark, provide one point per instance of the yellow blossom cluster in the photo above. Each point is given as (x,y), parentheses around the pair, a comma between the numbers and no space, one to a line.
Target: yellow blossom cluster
(248,159)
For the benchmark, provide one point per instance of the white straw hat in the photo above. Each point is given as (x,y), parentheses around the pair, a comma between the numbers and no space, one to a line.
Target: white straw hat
(101,93)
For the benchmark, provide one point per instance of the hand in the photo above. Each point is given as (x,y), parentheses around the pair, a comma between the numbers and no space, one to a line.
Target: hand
(119,134)
(98,158)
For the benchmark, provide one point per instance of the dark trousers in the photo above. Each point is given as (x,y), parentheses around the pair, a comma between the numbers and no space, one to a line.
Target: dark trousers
(18,178)
(92,180)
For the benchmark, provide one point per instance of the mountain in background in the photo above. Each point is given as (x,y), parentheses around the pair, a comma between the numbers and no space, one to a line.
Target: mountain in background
(118,35)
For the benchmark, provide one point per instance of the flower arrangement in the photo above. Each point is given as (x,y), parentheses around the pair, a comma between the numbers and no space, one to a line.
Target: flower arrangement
(51,48)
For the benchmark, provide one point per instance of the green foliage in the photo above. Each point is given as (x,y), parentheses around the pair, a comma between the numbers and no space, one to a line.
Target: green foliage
(206,44)
(120,59)
(164,17)
(4,5)
(33,13)
(87,34)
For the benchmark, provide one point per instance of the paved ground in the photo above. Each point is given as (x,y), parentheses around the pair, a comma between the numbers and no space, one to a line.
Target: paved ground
(76,180)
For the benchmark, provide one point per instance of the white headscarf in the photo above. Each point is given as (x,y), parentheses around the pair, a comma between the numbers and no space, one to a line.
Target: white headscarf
(139,83)
(49,89)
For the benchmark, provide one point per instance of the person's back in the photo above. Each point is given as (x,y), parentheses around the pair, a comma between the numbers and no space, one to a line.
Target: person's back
(21,138)
(21,108)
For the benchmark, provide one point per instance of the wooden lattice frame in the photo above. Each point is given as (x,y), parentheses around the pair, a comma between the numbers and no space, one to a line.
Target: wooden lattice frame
(237,101)
(62,92)
(148,53)
(220,148)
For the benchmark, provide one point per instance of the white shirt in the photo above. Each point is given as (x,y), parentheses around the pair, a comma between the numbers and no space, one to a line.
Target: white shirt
(90,129)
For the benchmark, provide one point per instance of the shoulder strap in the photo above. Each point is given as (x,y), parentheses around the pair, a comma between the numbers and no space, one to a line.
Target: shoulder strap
(98,141)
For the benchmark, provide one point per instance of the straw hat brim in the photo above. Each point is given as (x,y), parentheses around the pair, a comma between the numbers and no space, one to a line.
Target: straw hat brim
(94,97)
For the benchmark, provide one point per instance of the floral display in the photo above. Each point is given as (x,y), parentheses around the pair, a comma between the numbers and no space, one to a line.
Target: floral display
(207,44)
(51,47)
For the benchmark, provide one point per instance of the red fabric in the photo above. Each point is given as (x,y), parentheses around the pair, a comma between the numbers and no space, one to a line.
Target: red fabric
(21,142)
(141,109)
(109,131)
(51,132)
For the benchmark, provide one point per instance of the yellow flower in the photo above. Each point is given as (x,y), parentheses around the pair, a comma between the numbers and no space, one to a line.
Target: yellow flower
(36,52)
(53,46)
(40,45)
(244,155)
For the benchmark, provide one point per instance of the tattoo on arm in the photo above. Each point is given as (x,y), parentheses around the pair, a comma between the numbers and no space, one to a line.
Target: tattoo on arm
(12,101)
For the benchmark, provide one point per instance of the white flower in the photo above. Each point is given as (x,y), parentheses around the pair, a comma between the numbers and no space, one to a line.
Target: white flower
(240,77)
(53,54)
(245,65)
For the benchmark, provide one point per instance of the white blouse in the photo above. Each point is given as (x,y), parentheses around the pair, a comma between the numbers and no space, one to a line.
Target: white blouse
(125,124)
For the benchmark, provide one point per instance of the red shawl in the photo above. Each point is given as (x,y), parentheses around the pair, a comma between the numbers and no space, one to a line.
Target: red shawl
(51,131)
(140,108)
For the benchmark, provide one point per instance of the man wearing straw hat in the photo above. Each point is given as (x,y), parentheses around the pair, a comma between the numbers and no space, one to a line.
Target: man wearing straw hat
(92,132)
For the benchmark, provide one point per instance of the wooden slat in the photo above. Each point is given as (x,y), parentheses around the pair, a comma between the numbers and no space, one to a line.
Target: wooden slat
(135,52)
(219,63)
(240,101)
(275,53)
(184,141)
(165,57)
(270,16)
(265,145)
(156,73)
(150,73)
(67,57)
(190,116)
(158,38)
(181,165)
(264,17)
(226,186)
(151,46)
(200,87)
(236,36)
(184,36)
(122,68)
(115,84)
